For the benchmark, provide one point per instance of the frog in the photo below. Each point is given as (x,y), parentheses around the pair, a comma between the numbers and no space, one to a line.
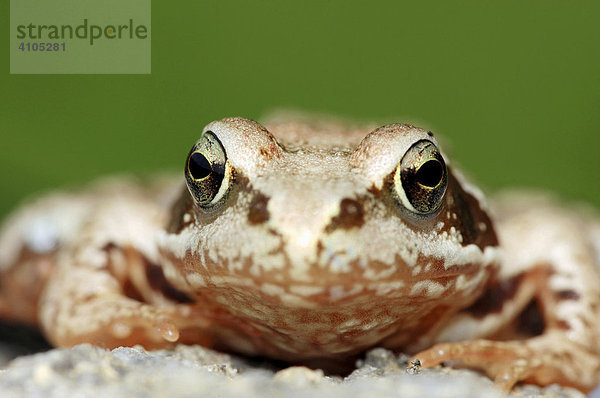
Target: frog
(307,240)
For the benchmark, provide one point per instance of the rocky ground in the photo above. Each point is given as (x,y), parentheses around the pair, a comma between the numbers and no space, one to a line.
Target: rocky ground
(193,371)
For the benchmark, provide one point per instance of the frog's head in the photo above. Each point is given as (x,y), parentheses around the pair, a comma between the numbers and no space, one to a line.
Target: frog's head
(318,215)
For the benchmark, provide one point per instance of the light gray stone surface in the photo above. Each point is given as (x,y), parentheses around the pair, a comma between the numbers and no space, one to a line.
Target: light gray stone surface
(193,371)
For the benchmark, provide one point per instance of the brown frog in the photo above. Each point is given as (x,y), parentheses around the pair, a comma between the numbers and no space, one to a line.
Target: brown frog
(311,239)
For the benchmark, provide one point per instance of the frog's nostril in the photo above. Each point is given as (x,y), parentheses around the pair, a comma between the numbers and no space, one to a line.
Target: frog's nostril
(351,215)
(258,213)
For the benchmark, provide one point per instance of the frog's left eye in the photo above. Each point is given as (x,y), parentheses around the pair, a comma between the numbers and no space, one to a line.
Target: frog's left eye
(421,178)
(206,171)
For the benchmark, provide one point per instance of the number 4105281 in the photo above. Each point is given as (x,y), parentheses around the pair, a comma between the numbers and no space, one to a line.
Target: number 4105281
(42,46)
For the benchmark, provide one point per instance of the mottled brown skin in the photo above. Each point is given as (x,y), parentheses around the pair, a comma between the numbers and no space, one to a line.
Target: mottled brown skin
(311,254)
(21,286)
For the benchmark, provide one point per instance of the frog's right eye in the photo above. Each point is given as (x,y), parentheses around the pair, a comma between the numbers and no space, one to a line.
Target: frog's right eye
(421,178)
(206,171)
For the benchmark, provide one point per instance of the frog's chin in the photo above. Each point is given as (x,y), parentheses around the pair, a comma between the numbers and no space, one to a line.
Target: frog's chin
(317,322)
(317,316)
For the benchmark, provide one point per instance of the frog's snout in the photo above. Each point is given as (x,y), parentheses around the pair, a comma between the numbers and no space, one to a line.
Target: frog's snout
(329,237)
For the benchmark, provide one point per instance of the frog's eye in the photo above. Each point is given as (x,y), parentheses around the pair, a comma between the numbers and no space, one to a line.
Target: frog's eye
(206,171)
(421,178)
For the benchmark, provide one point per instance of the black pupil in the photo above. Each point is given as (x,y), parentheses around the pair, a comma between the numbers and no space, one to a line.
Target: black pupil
(430,173)
(199,166)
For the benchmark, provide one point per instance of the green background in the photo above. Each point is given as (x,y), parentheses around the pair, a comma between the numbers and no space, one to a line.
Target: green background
(513,86)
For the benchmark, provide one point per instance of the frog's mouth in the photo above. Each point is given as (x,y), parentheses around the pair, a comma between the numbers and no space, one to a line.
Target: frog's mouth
(385,284)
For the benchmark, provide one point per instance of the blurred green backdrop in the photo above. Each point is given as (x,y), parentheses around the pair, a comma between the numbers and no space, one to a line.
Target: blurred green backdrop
(513,86)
